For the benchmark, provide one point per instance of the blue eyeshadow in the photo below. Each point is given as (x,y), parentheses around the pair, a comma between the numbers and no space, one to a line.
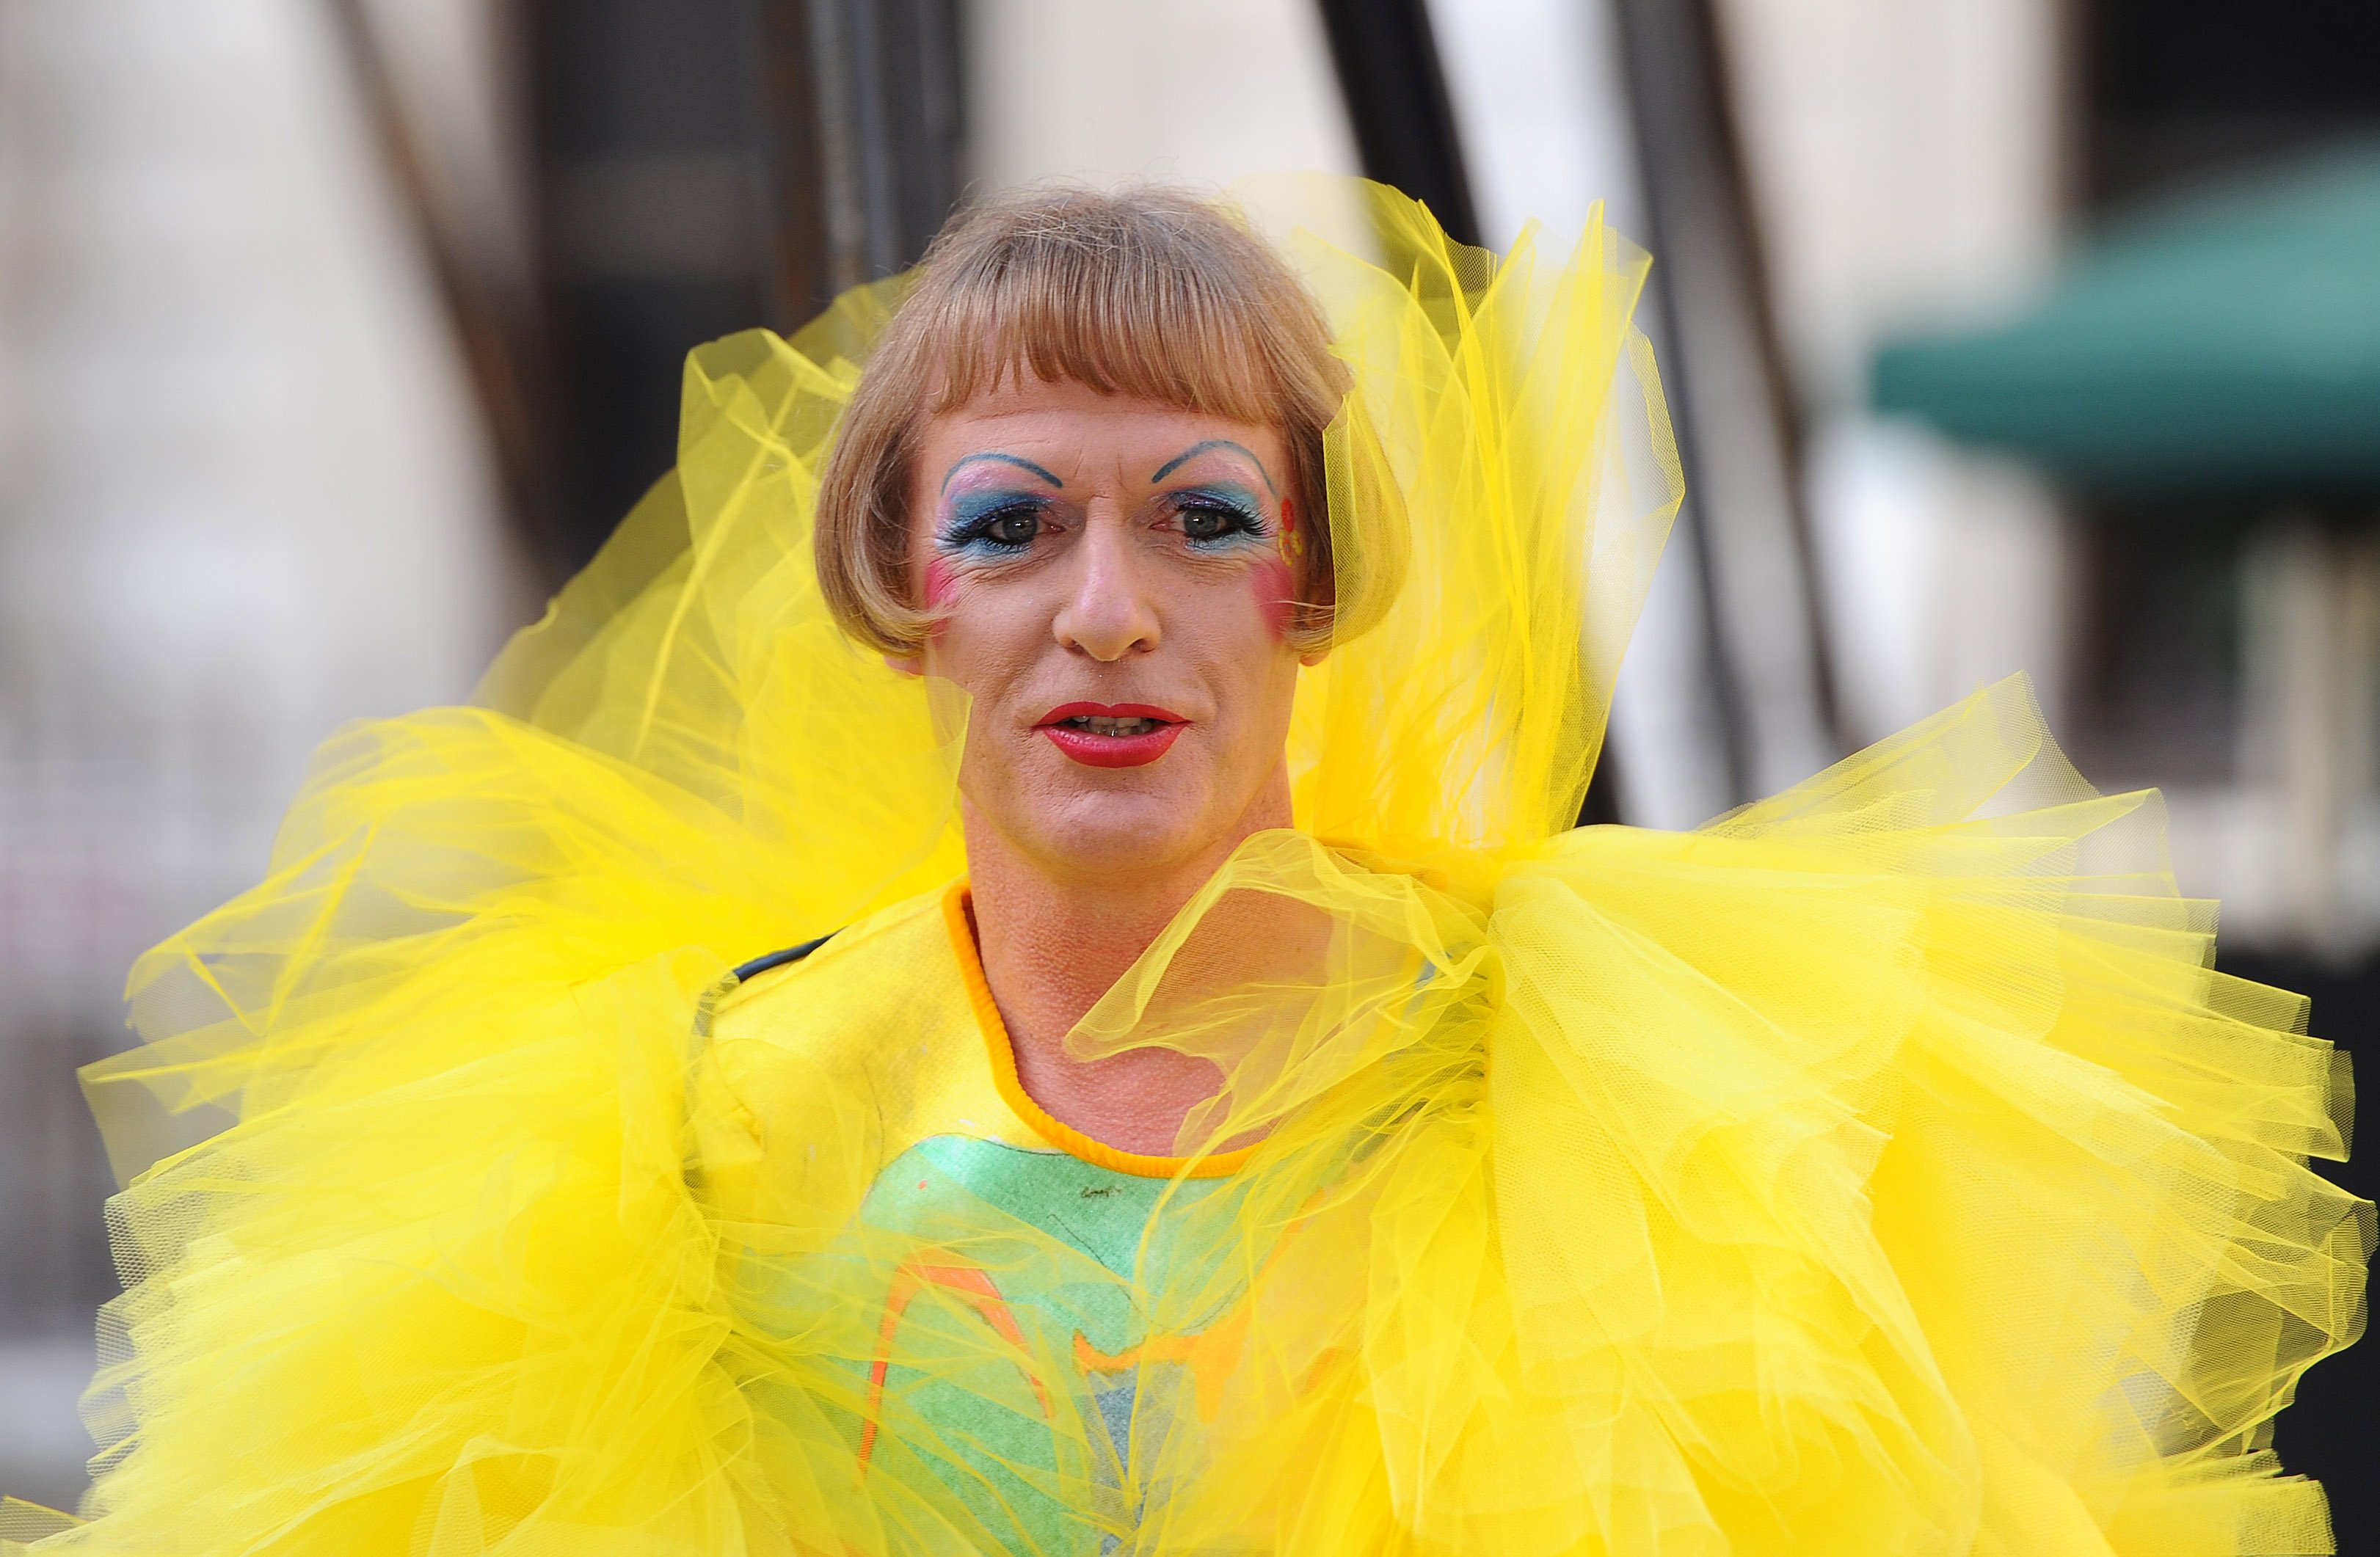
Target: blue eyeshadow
(973,514)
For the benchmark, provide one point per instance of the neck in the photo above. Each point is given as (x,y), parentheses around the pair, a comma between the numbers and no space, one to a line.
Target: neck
(1051,945)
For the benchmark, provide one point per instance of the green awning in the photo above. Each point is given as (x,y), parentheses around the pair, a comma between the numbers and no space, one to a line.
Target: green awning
(2230,343)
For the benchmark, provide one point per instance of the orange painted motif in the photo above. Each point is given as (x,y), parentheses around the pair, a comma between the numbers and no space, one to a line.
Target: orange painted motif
(976,1287)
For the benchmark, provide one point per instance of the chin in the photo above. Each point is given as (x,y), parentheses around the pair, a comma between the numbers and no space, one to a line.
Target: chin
(1111,831)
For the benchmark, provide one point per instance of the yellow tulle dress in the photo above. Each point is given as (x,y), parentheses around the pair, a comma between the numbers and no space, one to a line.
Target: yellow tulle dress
(1880,1169)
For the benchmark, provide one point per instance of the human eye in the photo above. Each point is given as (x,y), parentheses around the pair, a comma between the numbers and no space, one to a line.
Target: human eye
(1213,520)
(1001,529)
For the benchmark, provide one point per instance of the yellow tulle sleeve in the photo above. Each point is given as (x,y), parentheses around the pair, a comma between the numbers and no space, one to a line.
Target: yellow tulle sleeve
(1879,1169)
(1930,1158)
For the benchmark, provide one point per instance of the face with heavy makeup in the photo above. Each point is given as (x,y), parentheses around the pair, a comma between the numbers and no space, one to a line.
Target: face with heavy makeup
(1112,593)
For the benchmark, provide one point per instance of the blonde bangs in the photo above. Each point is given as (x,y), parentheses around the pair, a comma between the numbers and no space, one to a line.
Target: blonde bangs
(1121,320)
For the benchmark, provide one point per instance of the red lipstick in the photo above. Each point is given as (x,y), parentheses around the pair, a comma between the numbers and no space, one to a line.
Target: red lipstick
(1111,734)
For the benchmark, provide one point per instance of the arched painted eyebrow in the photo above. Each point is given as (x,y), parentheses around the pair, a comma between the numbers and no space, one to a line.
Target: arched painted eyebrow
(1192,452)
(1007,459)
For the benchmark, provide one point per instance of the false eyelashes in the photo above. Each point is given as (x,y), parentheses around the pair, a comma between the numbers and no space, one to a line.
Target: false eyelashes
(1005,523)
(1217,518)
(994,523)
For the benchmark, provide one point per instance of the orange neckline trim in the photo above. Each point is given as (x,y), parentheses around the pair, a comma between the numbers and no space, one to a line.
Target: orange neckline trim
(957,917)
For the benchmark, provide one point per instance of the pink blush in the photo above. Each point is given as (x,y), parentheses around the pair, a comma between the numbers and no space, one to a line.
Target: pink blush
(941,586)
(1276,591)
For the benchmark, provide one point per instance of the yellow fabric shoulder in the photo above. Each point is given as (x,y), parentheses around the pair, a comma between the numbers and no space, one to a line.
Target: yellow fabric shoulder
(823,1071)
(1880,1169)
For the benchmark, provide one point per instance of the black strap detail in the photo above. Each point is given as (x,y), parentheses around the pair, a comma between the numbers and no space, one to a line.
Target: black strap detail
(759,965)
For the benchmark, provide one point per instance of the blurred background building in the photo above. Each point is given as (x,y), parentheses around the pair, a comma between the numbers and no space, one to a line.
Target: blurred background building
(2002,335)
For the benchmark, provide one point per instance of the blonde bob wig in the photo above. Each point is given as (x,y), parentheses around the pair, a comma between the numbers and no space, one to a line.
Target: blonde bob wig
(1150,293)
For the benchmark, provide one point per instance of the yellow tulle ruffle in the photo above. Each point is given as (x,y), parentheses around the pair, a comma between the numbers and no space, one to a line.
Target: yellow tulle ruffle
(1880,1169)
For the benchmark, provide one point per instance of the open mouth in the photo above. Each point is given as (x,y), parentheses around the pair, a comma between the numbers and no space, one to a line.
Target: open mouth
(1112,727)
(1111,735)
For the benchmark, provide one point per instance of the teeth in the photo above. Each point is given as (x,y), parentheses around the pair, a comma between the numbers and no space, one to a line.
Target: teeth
(1112,727)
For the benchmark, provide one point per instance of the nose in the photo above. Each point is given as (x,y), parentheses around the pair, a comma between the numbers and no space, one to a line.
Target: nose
(1110,609)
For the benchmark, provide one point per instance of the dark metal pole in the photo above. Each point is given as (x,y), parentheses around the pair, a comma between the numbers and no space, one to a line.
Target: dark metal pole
(861,100)
(1736,431)
(709,165)
(1397,101)
(1403,118)
(500,337)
